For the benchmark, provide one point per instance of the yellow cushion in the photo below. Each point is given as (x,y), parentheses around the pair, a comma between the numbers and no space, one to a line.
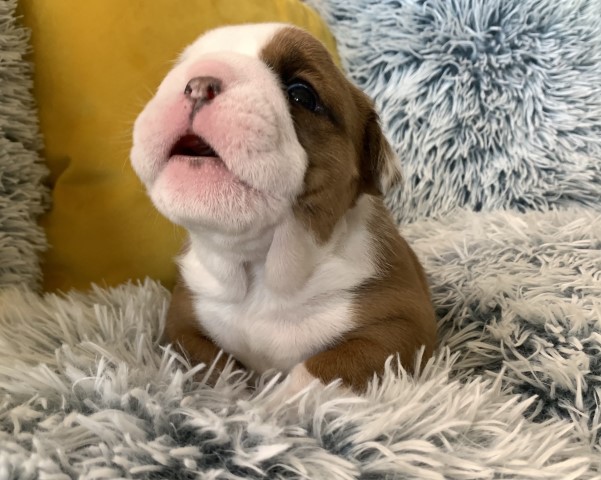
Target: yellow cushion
(97,62)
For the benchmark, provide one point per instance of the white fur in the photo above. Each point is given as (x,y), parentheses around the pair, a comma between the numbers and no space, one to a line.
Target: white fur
(243,39)
(269,327)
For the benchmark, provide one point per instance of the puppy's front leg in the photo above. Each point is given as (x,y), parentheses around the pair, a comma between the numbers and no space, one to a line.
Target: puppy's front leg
(357,358)
(184,331)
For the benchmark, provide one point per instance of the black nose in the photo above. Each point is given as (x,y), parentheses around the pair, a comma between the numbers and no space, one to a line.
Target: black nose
(203,88)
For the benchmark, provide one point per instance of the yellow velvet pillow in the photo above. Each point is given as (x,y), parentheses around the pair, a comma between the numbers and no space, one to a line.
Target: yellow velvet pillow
(97,62)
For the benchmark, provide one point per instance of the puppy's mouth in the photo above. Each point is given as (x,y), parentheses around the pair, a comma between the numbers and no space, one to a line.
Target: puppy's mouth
(198,154)
(194,147)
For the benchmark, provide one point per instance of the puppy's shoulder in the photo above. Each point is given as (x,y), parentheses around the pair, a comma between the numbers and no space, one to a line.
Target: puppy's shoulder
(397,296)
(395,259)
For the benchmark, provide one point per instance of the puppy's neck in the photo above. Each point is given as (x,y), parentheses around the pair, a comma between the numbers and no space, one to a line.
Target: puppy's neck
(217,265)
(242,247)
(282,257)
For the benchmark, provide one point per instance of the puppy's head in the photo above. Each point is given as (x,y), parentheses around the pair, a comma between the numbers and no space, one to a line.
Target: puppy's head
(254,122)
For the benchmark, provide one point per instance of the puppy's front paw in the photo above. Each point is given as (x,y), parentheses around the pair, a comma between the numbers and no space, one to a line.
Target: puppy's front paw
(297,380)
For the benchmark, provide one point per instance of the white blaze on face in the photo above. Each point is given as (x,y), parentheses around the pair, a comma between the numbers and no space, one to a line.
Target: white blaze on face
(257,165)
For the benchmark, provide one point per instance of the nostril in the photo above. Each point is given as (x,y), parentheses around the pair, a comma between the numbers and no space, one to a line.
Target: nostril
(203,88)
(211,92)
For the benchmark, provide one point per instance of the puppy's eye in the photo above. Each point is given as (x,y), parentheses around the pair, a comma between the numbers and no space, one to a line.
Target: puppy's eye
(302,94)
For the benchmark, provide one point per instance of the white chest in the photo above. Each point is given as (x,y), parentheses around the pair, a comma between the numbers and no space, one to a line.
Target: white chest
(265,333)
(248,315)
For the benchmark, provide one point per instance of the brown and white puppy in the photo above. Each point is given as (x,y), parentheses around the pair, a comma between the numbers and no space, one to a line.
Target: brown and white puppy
(275,164)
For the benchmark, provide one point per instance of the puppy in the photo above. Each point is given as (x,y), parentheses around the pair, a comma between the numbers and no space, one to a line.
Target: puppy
(275,164)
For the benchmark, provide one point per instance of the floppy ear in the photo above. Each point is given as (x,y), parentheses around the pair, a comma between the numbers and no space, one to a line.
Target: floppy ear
(380,169)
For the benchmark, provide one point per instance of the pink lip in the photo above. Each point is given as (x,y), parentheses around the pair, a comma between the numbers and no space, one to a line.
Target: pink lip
(194,153)
(201,162)
(209,167)
(195,174)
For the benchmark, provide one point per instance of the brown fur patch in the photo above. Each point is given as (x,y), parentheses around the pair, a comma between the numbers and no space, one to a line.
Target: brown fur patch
(394,313)
(344,144)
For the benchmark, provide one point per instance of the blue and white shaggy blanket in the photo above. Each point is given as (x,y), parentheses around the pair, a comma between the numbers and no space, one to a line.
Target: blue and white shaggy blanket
(495,109)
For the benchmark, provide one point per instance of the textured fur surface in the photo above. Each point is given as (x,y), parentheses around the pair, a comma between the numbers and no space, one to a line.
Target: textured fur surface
(489,103)
(22,197)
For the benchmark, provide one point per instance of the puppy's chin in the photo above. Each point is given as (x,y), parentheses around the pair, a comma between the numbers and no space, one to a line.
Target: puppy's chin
(201,193)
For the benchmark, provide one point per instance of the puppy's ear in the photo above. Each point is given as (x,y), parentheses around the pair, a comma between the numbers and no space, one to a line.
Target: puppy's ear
(380,169)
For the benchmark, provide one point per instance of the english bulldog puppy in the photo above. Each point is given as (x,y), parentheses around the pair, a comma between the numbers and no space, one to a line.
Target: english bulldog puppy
(275,164)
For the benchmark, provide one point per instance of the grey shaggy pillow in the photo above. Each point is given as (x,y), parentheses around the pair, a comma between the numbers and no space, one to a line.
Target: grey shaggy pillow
(22,195)
(489,103)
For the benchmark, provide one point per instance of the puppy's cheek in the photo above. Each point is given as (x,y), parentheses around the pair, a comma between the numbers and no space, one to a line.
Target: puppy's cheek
(237,126)
(255,136)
